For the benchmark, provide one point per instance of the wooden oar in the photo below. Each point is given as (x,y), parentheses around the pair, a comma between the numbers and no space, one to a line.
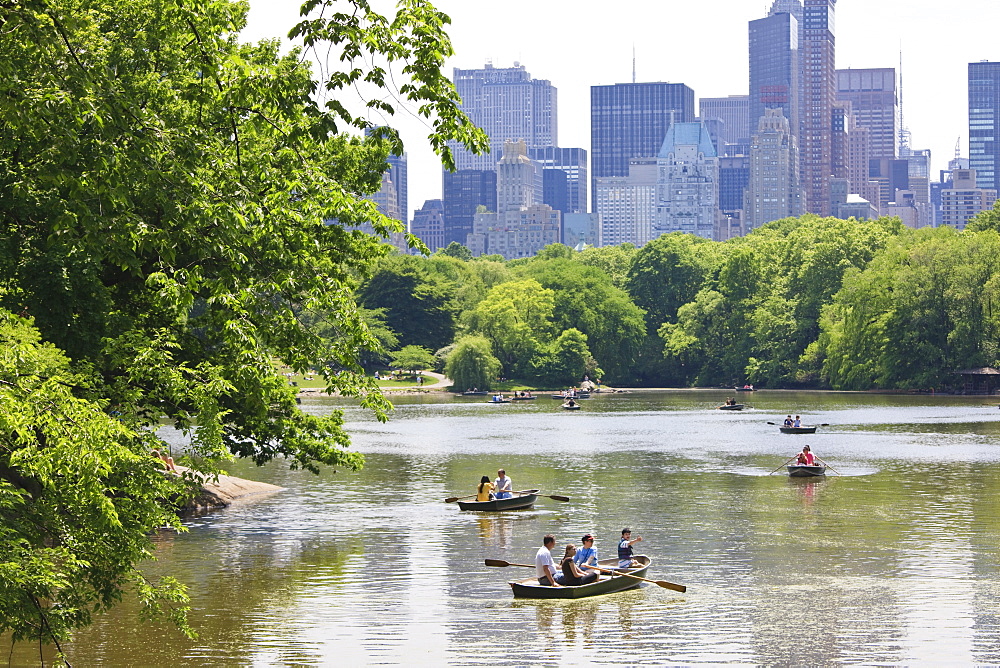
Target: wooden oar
(551,496)
(821,424)
(827,465)
(662,583)
(453,499)
(783,465)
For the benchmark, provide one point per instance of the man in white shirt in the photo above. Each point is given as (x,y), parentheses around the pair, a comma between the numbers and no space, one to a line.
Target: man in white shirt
(504,486)
(545,568)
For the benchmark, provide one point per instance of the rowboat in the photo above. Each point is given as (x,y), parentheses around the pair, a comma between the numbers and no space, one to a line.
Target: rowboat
(525,500)
(732,407)
(522,398)
(797,430)
(800,471)
(605,584)
(571,407)
(498,401)
(744,389)
(475,393)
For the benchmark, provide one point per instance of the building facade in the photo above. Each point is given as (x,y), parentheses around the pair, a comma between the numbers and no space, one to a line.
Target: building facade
(630,120)
(508,104)
(984,122)
(775,64)
(875,105)
(568,193)
(626,205)
(464,192)
(773,191)
(818,95)
(687,183)
(734,114)
(428,224)
(964,199)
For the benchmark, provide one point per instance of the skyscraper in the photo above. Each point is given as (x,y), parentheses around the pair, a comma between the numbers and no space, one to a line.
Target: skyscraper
(464,192)
(572,162)
(630,121)
(428,224)
(773,192)
(818,94)
(984,122)
(733,111)
(509,105)
(775,65)
(872,94)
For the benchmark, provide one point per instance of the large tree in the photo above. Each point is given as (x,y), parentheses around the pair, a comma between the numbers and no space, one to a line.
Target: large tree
(171,201)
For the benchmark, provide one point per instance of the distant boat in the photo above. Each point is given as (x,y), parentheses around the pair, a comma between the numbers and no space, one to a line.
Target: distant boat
(732,407)
(497,401)
(744,389)
(522,398)
(475,393)
(797,430)
(571,407)
(800,471)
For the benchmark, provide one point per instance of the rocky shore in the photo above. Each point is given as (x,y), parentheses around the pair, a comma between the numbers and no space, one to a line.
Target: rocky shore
(221,492)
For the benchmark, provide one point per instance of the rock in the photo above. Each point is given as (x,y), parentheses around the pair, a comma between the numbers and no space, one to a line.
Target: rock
(221,492)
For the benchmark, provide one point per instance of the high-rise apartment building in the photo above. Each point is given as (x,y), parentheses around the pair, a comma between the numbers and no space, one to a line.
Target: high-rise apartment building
(509,105)
(687,183)
(734,114)
(874,103)
(818,94)
(428,224)
(984,122)
(965,199)
(773,191)
(630,120)
(775,63)
(627,204)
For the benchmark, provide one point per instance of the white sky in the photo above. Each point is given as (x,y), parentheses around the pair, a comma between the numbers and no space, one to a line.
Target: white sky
(579,43)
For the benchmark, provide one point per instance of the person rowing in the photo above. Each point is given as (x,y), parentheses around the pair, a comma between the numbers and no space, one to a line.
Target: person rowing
(503,486)
(545,568)
(806,457)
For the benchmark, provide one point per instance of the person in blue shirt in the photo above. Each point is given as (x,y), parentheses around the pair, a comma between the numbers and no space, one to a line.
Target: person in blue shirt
(625,559)
(586,556)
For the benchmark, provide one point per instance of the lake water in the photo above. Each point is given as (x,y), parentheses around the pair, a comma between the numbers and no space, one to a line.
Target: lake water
(896,560)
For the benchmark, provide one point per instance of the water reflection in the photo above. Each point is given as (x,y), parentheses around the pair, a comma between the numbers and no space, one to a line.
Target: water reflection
(895,561)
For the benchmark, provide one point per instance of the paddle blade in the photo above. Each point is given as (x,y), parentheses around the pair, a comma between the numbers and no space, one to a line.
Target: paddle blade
(558,498)
(671,585)
(497,562)
(451,499)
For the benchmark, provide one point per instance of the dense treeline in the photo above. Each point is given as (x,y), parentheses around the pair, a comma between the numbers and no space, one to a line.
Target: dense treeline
(801,302)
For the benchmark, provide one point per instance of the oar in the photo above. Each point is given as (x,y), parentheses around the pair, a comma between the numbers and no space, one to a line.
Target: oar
(662,583)
(551,496)
(828,466)
(821,424)
(783,465)
(453,499)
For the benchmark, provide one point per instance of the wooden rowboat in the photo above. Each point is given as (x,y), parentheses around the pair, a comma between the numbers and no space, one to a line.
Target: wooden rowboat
(797,430)
(605,584)
(732,407)
(524,500)
(498,401)
(523,398)
(573,407)
(800,471)
(475,393)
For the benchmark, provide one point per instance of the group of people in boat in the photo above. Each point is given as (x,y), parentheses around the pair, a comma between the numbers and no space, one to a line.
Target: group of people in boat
(578,566)
(806,457)
(501,488)
(730,401)
(789,422)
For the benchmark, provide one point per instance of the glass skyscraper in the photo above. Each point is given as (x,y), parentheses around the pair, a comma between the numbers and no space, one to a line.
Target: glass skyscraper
(775,67)
(631,121)
(984,122)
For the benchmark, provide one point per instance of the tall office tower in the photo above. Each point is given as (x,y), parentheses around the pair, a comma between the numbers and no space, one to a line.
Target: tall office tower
(508,104)
(573,163)
(734,177)
(984,122)
(918,163)
(464,192)
(964,199)
(818,94)
(428,224)
(398,174)
(687,186)
(627,204)
(773,191)
(775,63)
(733,111)
(872,94)
(891,174)
(630,121)
(945,182)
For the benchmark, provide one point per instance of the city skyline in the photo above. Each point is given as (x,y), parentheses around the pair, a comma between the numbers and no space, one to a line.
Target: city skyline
(689,44)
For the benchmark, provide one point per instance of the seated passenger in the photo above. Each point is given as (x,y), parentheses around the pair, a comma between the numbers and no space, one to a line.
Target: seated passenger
(572,576)
(485,491)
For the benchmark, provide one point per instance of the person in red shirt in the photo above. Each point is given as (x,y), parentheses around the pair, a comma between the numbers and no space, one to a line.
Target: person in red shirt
(806,457)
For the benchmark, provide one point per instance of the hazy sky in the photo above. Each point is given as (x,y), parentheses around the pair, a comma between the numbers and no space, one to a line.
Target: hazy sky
(577,44)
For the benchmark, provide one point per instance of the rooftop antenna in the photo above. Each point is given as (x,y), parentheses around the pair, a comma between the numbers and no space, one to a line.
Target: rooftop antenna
(904,135)
(633,63)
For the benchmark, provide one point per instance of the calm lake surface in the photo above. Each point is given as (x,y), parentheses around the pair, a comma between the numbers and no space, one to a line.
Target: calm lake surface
(894,561)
